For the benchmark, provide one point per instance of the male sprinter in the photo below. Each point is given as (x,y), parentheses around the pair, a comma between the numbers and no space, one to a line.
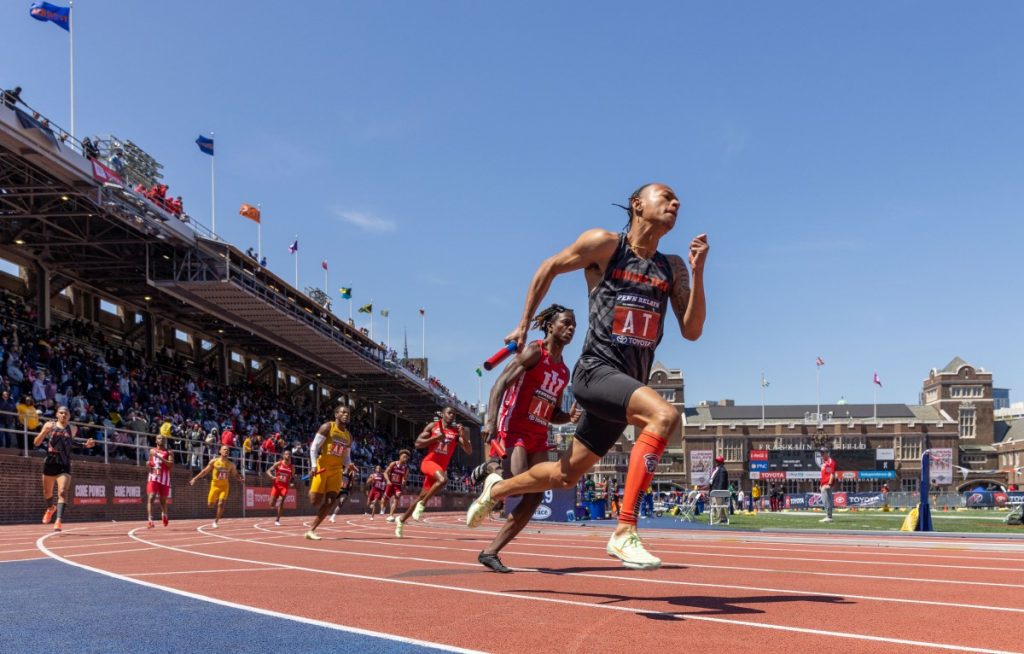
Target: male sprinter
(158,482)
(59,435)
(529,392)
(376,483)
(439,437)
(396,473)
(630,286)
(220,485)
(331,454)
(282,472)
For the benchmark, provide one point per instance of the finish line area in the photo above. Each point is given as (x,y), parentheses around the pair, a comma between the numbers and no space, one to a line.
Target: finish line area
(189,586)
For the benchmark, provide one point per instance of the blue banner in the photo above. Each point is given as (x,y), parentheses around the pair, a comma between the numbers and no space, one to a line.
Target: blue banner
(985,499)
(876,474)
(758,466)
(205,144)
(44,11)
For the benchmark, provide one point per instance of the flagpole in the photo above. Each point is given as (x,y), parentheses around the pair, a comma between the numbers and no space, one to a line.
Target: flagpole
(71,43)
(371,318)
(213,191)
(388,319)
(296,264)
(818,384)
(423,346)
(874,406)
(762,399)
(350,307)
(259,234)
(325,280)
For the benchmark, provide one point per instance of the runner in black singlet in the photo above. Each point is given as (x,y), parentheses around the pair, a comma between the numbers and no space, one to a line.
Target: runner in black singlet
(631,285)
(59,435)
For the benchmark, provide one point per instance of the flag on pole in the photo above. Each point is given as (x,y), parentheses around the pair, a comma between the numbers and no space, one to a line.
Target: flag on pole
(250,212)
(44,11)
(294,247)
(205,145)
(366,308)
(385,313)
(479,373)
(877,380)
(423,312)
(346,292)
(323,264)
(764,382)
(819,362)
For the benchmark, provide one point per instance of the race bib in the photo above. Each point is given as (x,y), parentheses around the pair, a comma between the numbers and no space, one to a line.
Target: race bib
(337,448)
(636,321)
(222,475)
(541,410)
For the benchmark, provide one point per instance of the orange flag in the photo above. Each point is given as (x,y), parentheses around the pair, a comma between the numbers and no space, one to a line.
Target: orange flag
(250,212)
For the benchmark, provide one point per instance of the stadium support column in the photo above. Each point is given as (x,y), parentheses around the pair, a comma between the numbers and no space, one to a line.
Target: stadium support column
(43,296)
(222,363)
(316,399)
(276,371)
(149,324)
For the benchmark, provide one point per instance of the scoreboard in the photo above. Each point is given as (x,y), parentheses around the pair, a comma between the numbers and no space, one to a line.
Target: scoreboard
(806,464)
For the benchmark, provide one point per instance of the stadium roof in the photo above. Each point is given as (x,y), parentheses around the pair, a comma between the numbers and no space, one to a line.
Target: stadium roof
(800,412)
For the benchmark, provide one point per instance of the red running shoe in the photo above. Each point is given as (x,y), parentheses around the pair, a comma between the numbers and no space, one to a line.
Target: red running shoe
(48,516)
(164,519)
(57,526)
(149,525)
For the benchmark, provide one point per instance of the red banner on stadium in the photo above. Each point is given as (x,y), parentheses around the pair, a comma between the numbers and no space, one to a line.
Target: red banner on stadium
(105,175)
(259,498)
(758,455)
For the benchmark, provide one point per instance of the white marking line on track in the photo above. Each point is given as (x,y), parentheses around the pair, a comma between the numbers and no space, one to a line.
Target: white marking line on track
(196,572)
(29,558)
(752,569)
(252,609)
(873,598)
(608,607)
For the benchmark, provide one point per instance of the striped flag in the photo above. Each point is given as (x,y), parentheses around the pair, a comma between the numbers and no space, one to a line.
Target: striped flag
(44,11)
(366,308)
(819,362)
(877,380)
(205,145)
(346,292)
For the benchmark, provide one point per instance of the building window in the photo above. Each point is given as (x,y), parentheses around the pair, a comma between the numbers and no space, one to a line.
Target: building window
(909,448)
(730,448)
(670,396)
(110,307)
(966,423)
(931,395)
(908,485)
(236,357)
(848,485)
(966,391)
(182,336)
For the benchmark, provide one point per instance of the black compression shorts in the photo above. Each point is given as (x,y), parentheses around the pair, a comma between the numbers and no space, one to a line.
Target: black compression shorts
(603,392)
(55,469)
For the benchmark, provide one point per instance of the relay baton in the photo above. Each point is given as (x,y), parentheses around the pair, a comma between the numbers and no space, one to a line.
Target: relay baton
(500,355)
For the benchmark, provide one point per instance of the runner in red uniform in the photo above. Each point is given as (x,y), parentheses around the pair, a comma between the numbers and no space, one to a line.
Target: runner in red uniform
(439,438)
(396,472)
(529,393)
(282,472)
(375,484)
(158,483)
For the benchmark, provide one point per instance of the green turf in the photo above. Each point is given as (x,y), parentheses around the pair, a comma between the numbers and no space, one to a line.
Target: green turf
(979,521)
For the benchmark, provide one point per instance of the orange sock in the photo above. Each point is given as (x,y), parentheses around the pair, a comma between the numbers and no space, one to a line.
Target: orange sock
(643,461)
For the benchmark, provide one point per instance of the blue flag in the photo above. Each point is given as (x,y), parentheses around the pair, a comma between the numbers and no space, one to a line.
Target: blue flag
(205,144)
(44,11)
(294,247)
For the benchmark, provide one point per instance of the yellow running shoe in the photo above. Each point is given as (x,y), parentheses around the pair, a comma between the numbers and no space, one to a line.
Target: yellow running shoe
(398,527)
(481,506)
(312,535)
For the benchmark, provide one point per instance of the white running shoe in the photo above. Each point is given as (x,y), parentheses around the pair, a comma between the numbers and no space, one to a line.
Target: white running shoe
(398,527)
(331,519)
(630,550)
(481,506)
(277,523)
(312,535)
(417,512)
(214,525)
(826,519)
(371,515)
(390,518)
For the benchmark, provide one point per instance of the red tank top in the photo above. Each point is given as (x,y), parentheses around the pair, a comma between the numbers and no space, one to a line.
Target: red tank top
(284,474)
(398,473)
(377,481)
(527,406)
(159,471)
(441,451)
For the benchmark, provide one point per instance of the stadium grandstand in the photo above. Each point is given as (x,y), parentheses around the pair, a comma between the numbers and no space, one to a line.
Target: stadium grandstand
(120,305)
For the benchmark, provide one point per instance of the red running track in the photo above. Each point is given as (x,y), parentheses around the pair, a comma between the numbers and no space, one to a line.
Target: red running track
(727,592)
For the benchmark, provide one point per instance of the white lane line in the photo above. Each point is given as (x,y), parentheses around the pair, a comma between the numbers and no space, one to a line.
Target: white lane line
(137,549)
(609,607)
(197,572)
(570,546)
(252,609)
(31,558)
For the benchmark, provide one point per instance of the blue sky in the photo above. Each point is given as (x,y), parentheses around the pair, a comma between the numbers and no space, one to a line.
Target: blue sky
(857,167)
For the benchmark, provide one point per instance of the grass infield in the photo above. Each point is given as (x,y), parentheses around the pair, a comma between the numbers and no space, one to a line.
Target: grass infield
(978,521)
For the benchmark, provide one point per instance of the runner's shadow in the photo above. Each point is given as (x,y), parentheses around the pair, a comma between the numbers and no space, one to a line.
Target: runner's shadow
(701,604)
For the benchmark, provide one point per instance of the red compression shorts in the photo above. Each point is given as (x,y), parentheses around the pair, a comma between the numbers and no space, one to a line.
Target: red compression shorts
(531,443)
(392,491)
(278,490)
(430,469)
(156,488)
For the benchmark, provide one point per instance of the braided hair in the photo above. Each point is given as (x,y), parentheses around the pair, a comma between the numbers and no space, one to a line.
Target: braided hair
(545,318)
(629,206)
